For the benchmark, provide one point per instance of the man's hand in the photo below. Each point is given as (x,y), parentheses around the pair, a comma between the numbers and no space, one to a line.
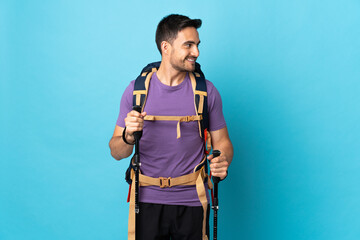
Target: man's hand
(218,166)
(134,122)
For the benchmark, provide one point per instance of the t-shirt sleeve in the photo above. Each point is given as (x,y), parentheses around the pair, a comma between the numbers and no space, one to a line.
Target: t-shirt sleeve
(125,104)
(216,116)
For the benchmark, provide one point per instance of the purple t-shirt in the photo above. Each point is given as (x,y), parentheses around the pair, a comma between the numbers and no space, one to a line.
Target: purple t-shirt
(161,153)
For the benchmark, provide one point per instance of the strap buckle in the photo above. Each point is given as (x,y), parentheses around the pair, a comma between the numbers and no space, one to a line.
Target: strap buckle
(164,182)
(188,119)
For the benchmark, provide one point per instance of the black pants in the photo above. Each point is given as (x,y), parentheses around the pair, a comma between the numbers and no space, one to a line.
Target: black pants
(165,222)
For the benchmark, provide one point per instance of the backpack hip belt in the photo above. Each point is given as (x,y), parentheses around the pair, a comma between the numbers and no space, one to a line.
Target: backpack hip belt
(196,178)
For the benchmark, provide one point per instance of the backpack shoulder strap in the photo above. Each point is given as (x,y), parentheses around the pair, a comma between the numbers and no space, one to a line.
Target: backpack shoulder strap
(142,82)
(200,98)
(198,81)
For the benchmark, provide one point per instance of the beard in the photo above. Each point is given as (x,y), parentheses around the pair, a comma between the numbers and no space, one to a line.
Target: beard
(183,65)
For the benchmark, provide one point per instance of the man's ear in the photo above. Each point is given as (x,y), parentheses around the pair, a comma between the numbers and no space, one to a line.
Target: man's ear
(165,47)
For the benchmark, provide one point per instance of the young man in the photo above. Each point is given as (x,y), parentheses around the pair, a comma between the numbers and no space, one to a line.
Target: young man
(172,212)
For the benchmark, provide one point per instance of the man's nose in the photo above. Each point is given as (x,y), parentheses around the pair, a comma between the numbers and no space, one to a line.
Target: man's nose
(195,51)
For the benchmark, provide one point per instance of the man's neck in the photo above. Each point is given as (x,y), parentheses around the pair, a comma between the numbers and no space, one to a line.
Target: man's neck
(170,76)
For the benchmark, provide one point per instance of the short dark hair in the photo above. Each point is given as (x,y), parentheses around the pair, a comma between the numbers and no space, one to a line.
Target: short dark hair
(170,25)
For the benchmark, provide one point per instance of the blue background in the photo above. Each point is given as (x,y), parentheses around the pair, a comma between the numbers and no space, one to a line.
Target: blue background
(288,73)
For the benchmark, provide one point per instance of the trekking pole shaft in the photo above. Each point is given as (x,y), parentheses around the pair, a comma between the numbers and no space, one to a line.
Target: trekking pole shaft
(137,170)
(216,208)
(215,224)
(216,181)
(137,136)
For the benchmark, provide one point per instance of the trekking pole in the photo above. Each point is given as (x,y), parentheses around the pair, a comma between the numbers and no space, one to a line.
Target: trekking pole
(137,136)
(215,206)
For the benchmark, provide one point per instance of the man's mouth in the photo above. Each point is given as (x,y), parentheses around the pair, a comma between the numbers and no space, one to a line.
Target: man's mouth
(191,59)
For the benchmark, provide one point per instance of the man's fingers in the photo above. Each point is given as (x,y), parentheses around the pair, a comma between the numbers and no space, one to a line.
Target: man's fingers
(218,170)
(217,159)
(134,113)
(134,122)
(220,174)
(134,126)
(218,166)
(134,119)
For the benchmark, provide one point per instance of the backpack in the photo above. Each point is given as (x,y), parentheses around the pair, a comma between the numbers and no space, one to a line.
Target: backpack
(200,97)
(199,176)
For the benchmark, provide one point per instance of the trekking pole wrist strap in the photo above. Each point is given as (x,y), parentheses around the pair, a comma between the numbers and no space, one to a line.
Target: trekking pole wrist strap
(124,138)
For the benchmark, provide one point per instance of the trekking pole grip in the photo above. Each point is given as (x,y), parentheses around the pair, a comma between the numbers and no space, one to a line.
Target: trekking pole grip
(216,153)
(138,134)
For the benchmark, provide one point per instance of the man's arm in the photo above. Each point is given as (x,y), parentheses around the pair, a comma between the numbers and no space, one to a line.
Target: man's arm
(119,149)
(133,122)
(220,141)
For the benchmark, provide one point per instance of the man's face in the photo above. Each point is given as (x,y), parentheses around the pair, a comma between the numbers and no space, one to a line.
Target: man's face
(184,50)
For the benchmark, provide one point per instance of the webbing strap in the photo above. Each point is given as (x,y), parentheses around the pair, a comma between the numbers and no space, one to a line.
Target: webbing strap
(189,179)
(201,93)
(193,84)
(201,104)
(202,96)
(200,188)
(210,185)
(195,178)
(138,97)
(147,82)
(172,118)
(131,221)
(141,95)
(198,84)
(179,119)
